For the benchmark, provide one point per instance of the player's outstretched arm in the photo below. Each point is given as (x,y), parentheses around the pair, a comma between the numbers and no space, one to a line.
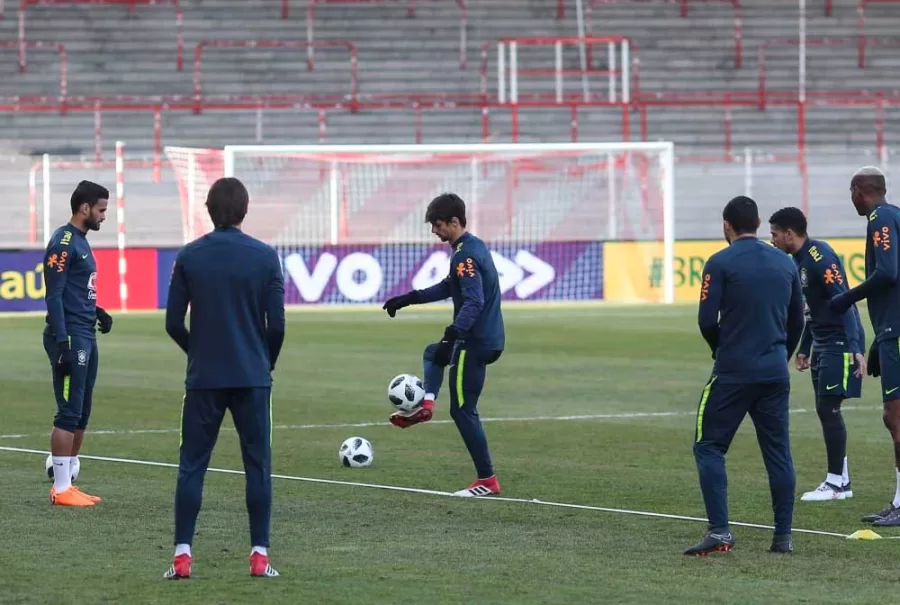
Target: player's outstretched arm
(176,306)
(438,291)
(275,313)
(795,316)
(882,233)
(710,303)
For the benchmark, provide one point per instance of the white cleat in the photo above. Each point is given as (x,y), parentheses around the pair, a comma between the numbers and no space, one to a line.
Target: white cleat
(824,493)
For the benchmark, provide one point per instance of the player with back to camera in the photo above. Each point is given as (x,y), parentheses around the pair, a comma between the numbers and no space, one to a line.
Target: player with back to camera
(235,287)
(751,315)
(473,341)
(837,341)
(881,288)
(70,336)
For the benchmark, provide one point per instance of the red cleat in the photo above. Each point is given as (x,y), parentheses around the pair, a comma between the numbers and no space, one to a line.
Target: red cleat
(481,487)
(423,413)
(181,568)
(260,568)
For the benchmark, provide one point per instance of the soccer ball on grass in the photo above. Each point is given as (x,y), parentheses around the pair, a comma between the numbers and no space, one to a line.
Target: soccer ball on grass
(356,452)
(75,467)
(406,392)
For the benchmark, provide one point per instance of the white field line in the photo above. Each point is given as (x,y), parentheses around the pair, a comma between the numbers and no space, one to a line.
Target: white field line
(297,427)
(429,492)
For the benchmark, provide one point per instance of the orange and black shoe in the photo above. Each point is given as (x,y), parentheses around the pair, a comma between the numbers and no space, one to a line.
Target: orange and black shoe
(260,568)
(481,487)
(712,542)
(69,497)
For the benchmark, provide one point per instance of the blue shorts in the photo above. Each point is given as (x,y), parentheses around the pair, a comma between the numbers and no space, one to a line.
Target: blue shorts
(889,358)
(75,392)
(834,375)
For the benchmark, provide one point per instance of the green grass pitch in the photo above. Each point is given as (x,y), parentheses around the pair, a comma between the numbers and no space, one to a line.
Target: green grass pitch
(638,371)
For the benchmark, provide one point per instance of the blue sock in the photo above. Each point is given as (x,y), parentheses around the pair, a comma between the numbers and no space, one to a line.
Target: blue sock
(434,374)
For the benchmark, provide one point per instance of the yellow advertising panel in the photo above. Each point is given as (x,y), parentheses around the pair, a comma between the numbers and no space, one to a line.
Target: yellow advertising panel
(633,271)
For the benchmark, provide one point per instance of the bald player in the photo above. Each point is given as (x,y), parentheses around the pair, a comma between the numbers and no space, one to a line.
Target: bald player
(881,289)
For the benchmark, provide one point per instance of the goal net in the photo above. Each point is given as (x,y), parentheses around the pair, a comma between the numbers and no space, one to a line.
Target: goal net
(349,220)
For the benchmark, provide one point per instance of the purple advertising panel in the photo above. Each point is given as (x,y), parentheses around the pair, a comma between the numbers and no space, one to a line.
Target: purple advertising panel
(367,274)
(21,280)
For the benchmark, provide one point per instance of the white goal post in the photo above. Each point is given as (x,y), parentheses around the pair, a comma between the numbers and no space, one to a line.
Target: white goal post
(348,220)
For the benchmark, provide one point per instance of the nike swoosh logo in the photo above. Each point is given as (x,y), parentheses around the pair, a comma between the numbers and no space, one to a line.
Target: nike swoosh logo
(84,256)
(833,386)
(57,464)
(889,391)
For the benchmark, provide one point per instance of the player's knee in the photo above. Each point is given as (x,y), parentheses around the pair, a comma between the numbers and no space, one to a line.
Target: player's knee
(428,354)
(461,412)
(829,410)
(66,421)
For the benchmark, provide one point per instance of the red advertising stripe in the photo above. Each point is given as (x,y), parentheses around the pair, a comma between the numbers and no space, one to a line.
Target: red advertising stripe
(141,263)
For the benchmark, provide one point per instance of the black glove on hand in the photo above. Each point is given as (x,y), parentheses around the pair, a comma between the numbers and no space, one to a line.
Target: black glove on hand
(873,363)
(444,350)
(104,320)
(394,304)
(62,359)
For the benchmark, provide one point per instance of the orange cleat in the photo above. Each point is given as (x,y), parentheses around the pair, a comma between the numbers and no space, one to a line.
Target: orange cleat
(69,497)
(181,568)
(260,568)
(88,496)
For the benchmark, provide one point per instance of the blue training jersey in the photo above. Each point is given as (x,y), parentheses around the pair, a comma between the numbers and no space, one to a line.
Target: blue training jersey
(70,277)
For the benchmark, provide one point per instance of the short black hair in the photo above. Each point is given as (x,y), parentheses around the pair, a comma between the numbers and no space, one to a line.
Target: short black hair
(446,207)
(87,193)
(742,214)
(789,218)
(227,202)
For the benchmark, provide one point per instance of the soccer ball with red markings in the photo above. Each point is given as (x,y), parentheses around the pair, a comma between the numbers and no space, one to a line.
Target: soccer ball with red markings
(356,452)
(75,467)
(406,392)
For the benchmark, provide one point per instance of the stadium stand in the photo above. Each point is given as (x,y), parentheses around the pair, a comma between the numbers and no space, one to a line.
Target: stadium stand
(718,78)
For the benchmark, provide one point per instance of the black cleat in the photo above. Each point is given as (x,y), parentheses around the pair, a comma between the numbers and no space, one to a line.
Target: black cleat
(881,514)
(782,543)
(892,519)
(712,542)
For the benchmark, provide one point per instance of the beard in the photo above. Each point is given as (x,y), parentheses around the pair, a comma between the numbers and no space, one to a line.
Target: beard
(92,225)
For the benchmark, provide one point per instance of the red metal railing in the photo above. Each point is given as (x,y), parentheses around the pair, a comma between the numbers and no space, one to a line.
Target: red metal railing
(352,97)
(410,12)
(179,21)
(736,9)
(764,94)
(861,26)
(63,62)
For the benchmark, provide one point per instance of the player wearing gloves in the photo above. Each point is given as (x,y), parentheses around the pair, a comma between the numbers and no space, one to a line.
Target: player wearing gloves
(473,341)
(70,336)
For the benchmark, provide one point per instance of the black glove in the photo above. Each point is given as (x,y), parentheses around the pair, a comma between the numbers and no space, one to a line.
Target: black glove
(444,351)
(873,363)
(62,358)
(104,320)
(394,304)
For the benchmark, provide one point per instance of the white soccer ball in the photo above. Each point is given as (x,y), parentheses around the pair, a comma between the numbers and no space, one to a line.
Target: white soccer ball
(75,467)
(406,392)
(356,452)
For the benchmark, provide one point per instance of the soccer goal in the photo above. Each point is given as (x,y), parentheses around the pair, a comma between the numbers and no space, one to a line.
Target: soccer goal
(349,220)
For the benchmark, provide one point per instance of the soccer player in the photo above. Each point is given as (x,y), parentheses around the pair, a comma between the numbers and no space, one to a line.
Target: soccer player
(235,288)
(881,288)
(473,341)
(70,336)
(751,315)
(838,340)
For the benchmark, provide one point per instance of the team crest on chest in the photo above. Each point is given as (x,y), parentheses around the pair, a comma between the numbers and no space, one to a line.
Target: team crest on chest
(803,278)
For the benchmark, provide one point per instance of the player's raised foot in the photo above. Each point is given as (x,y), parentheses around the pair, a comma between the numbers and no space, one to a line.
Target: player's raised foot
(481,487)
(880,514)
(892,519)
(181,568)
(711,542)
(88,496)
(69,497)
(423,413)
(782,543)
(260,568)
(824,493)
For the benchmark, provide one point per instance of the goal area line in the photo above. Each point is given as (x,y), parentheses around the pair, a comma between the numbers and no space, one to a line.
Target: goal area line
(437,493)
